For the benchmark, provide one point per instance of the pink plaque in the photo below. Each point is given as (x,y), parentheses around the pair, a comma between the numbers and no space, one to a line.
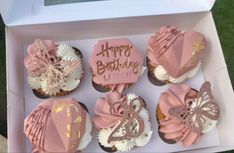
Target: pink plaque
(115,61)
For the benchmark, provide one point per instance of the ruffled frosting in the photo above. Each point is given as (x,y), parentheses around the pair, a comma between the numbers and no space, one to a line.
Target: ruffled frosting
(188,114)
(107,124)
(67,80)
(163,75)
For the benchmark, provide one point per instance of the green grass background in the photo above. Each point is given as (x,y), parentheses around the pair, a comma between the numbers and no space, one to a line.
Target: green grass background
(223,12)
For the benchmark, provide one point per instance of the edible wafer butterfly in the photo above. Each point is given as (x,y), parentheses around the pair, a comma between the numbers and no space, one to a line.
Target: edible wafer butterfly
(197,112)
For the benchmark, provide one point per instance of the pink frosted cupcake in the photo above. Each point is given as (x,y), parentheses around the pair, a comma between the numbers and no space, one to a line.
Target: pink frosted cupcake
(174,56)
(185,114)
(58,125)
(123,122)
(54,69)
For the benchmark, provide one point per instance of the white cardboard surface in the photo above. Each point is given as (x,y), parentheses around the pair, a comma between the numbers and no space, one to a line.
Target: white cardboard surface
(214,67)
(142,88)
(29,12)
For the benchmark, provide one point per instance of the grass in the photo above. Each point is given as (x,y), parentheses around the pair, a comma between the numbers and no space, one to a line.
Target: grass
(3,101)
(223,15)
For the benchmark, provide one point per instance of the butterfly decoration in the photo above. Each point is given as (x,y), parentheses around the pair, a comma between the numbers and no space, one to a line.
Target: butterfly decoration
(198,111)
(129,112)
(48,66)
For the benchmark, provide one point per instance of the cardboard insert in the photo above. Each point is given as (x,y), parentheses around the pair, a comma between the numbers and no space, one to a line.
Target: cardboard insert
(84,35)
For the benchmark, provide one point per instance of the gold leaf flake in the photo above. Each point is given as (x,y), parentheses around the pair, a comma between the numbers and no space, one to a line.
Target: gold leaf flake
(198,47)
(68,134)
(59,109)
(77,120)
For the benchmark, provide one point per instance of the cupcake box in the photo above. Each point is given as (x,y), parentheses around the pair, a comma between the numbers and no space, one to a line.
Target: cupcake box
(82,25)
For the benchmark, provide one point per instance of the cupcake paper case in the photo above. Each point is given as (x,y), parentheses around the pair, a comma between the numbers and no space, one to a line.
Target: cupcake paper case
(185,114)
(58,125)
(53,69)
(123,122)
(174,56)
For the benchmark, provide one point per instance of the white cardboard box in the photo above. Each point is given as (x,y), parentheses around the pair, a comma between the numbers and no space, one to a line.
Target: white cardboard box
(84,23)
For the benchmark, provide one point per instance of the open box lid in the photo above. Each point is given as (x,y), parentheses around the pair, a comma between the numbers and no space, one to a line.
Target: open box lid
(17,12)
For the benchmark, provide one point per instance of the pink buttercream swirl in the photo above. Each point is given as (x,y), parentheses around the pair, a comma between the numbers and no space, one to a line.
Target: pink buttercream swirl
(116,109)
(185,110)
(42,60)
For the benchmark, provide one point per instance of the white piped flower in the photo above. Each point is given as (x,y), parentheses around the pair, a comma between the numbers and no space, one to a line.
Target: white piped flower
(48,90)
(146,135)
(125,145)
(144,114)
(103,136)
(162,74)
(70,85)
(64,50)
(34,83)
(131,96)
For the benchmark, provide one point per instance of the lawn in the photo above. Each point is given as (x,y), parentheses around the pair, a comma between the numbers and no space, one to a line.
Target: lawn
(223,12)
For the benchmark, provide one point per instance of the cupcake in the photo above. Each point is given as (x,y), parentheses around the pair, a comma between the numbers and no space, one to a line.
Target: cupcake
(115,62)
(58,125)
(54,69)
(174,56)
(123,122)
(184,114)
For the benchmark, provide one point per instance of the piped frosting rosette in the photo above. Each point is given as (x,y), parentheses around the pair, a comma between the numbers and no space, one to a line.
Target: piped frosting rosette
(122,121)
(185,114)
(58,125)
(174,56)
(53,69)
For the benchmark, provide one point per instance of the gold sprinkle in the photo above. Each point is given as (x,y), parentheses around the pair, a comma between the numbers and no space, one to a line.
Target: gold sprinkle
(68,112)
(77,120)
(68,134)
(68,107)
(198,47)
(59,109)
(78,134)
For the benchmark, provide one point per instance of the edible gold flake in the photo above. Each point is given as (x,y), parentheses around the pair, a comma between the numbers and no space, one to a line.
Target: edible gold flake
(68,134)
(78,134)
(198,47)
(77,120)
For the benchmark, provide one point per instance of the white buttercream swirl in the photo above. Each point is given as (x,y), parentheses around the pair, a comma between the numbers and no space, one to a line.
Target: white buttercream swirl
(65,51)
(87,137)
(162,74)
(126,145)
(104,134)
(34,83)
(72,80)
